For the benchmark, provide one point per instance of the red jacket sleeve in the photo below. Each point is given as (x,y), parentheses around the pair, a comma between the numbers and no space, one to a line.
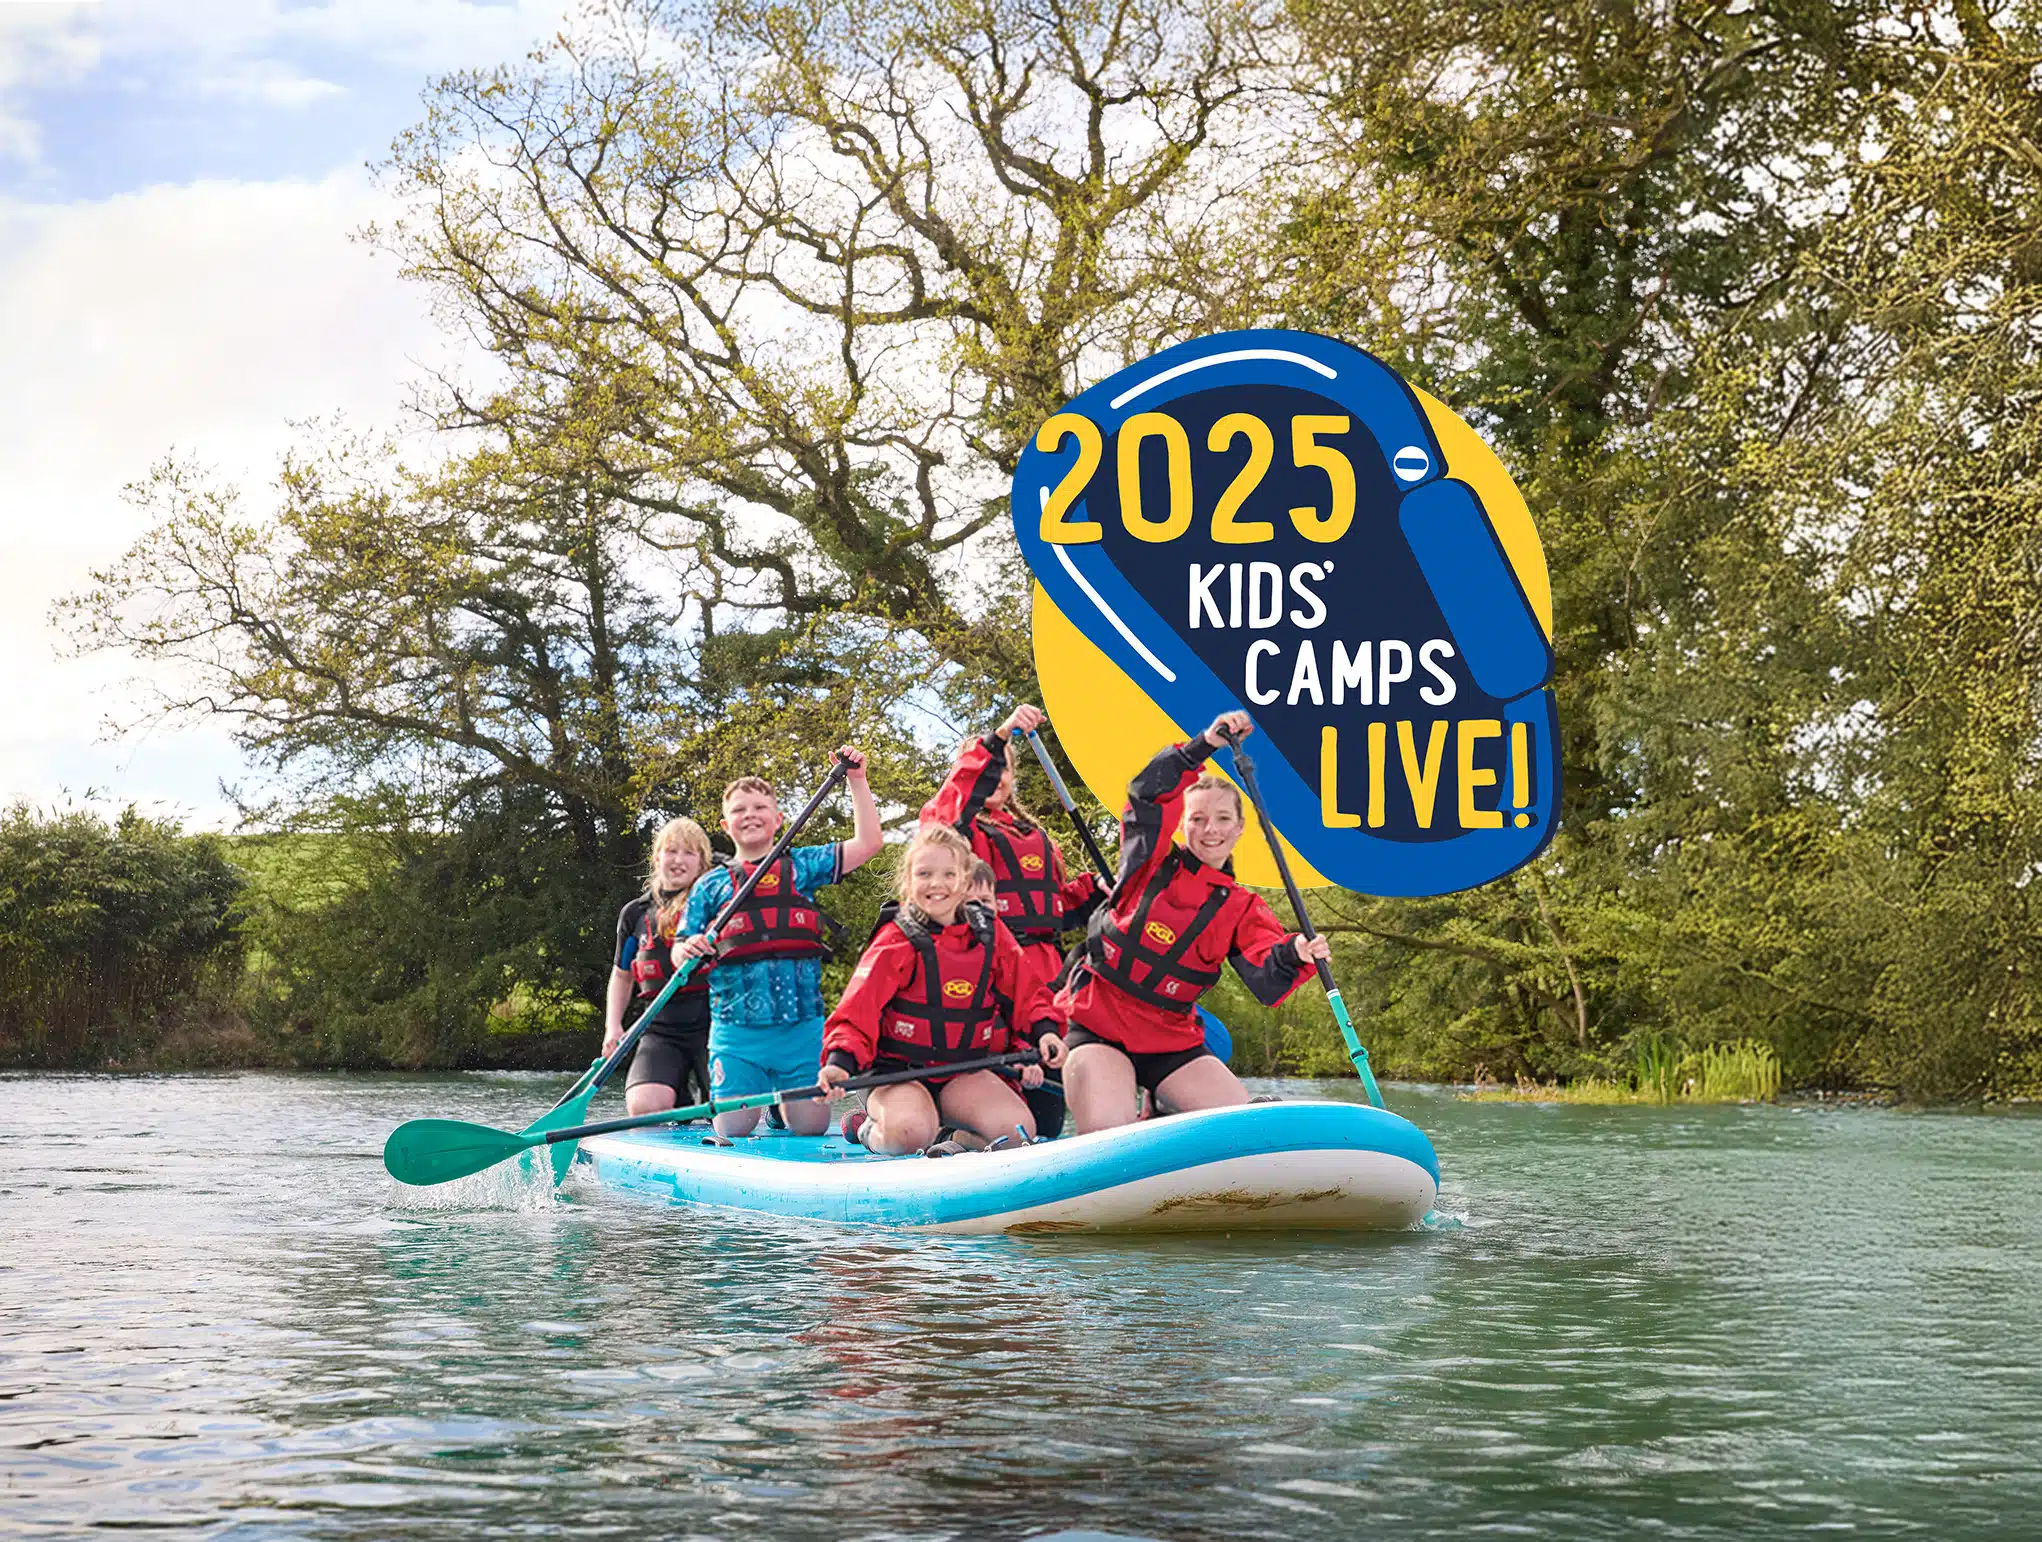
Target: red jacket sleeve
(974,778)
(1261,953)
(1155,807)
(1021,981)
(851,1036)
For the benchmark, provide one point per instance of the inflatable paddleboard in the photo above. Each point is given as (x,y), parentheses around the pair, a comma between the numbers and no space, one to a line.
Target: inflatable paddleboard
(1267,1166)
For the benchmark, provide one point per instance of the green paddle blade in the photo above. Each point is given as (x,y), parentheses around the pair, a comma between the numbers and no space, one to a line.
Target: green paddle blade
(572,1112)
(429,1151)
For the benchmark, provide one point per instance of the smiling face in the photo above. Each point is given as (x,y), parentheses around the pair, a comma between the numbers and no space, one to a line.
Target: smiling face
(752,819)
(1212,823)
(679,866)
(935,882)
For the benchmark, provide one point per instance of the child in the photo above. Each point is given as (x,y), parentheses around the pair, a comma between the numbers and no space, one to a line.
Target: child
(1035,898)
(765,994)
(1046,1099)
(1174,916)
(933,986)
(672,1057)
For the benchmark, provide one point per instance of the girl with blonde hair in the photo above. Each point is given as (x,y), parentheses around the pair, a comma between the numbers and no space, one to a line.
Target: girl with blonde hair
(940,982)
(671,1063)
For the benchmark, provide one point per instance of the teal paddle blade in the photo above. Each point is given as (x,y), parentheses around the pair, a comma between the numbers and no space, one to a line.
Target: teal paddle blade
(574,1111)
(422,1152)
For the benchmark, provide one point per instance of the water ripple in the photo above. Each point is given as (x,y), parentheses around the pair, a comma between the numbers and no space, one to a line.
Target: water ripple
(221,1317)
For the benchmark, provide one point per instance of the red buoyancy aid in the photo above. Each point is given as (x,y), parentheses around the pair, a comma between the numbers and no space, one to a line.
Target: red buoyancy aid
(776,919)
(1027,876)
(1145,955)
(653,962)
(948,1010)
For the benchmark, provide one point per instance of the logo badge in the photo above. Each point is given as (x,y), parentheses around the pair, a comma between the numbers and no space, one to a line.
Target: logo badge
(1276,522)
(1156,931)
(957,988)
(1031,863)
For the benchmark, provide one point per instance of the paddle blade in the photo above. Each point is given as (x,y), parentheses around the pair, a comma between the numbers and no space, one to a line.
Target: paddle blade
(561,1153)
(428,1151)
(1218,1041)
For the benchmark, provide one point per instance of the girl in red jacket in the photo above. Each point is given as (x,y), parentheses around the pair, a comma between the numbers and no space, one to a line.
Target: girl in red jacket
(938,983)
(1174,917)
(1033,895)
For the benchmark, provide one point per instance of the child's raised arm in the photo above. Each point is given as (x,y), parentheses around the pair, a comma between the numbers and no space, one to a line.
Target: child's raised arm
(866,834)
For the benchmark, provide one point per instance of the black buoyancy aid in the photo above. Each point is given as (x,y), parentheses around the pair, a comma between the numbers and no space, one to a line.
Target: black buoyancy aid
(776,919)
(1145,957)
(653,962)
(1025,879)
(949,1009)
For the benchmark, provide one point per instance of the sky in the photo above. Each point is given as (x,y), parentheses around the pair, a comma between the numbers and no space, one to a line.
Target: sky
(179,184)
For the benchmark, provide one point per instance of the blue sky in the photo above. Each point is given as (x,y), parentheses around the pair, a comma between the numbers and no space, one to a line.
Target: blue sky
(178,187)
(103,98)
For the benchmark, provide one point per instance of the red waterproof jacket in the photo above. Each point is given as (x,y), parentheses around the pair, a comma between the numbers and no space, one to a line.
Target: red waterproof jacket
(1169,924)
(926,994)
(1035,897)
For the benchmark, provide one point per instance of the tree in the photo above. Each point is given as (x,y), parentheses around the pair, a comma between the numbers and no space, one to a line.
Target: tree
(798,284)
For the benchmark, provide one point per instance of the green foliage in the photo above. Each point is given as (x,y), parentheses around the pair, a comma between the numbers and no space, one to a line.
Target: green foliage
(109,932)
(1717,1073)
(410,947)
(1748,298)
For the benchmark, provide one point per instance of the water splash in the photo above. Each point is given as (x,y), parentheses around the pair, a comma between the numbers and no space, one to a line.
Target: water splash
(524,1184)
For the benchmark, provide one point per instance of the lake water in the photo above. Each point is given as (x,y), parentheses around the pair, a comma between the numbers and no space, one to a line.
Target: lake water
(218,1317)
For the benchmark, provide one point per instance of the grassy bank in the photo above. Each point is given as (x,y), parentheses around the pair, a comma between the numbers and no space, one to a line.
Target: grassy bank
(1718,1073)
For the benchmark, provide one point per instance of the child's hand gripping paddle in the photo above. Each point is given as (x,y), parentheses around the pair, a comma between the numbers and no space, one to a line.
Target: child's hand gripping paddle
(1245,769)
(428,1151)
(572,1109)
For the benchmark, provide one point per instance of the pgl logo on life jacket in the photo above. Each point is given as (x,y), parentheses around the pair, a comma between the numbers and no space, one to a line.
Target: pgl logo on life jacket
(1156,931)
(1031,863)
(769,883)
(957,988)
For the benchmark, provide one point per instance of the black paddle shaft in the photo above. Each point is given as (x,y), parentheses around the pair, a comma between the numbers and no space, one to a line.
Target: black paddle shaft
(796,1094)
(839,769)
(1246,768)
(1063,796)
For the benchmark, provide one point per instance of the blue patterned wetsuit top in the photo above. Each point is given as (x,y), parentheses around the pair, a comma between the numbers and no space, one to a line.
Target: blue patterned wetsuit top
(765,993)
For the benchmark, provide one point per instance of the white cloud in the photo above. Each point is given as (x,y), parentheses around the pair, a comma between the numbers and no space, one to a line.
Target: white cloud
(203,318)
(41,44)
(268,83)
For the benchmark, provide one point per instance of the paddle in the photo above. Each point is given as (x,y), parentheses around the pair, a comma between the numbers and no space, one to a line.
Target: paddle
(572,1108)
(1063,796)
(1245,768)
(428,1151)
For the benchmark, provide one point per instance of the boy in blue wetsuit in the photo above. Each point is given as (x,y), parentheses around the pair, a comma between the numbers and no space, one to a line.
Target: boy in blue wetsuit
(765,993)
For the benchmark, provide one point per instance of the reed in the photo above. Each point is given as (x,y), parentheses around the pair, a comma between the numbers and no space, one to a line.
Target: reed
(1744,1072)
